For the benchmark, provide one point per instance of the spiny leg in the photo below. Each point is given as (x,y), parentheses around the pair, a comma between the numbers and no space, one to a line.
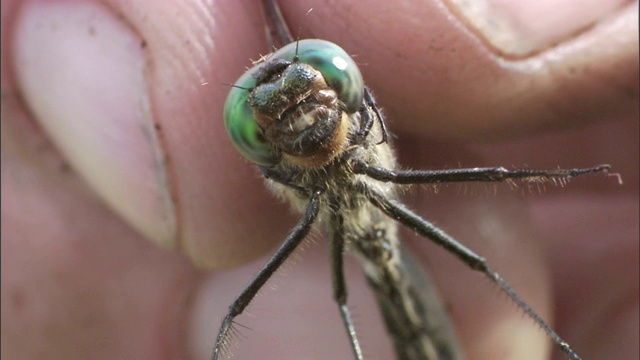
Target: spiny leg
(368,98)
(368,119)
(299,233)
(398,212)
(336,254)
(485,174)
(281,177)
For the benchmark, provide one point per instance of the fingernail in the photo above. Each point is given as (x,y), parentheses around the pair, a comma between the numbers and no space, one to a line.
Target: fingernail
(520,28)
(81,71)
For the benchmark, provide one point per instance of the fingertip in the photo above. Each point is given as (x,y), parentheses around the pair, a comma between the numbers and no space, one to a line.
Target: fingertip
(196,48)
(132,95)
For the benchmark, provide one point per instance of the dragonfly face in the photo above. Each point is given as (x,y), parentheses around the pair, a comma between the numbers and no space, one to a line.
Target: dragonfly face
(295,104)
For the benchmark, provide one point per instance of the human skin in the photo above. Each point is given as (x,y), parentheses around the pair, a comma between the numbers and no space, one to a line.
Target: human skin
(83,210)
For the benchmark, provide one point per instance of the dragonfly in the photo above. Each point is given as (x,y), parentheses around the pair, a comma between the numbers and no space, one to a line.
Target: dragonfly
(304,116)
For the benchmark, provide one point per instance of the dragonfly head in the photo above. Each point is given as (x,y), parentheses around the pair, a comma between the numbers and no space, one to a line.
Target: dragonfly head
(295,106)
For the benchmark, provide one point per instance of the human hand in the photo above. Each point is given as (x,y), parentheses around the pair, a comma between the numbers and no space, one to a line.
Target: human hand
(82,96)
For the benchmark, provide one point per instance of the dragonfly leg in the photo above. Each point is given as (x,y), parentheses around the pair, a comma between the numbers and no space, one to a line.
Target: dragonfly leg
(337,248)
(368,119)
(408,218)
(368,98)
(282,178)
(299,233)
(485,174)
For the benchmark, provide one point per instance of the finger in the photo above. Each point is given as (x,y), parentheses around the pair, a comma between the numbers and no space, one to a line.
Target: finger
(595,270)
(441,68)
(132,97)
(77,282)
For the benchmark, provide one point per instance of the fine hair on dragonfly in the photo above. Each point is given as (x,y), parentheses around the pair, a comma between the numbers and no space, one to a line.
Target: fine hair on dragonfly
(318,146)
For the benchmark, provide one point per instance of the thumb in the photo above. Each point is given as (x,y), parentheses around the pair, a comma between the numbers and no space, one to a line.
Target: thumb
(130,96)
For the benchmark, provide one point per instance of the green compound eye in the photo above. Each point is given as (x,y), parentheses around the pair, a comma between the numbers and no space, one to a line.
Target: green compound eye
(337,67)
(241,126)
